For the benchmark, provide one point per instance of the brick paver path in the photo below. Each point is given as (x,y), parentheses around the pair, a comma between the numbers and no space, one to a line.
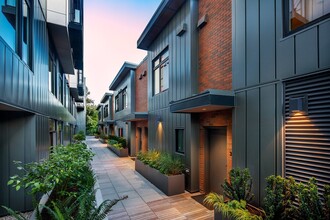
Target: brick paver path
(117,177)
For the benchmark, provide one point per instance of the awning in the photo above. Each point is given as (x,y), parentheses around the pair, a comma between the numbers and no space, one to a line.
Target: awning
(136,116)
(209,100)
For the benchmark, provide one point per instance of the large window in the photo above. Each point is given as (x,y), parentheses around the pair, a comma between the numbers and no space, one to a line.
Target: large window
(179,141)
(121,100)
(117,103)
(161,72)
(16,27)
(124,96)
(106,111)
(303,12)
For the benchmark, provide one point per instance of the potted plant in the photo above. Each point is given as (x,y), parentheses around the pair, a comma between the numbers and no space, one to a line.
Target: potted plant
(118,146)
(238,192)
(163,170)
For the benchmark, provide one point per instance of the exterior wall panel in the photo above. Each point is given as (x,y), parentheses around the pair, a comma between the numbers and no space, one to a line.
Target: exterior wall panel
(306,51)
(324,42)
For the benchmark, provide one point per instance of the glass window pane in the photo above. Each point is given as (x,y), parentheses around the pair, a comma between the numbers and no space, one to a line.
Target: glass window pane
(26,33)
(8,22)
(304,11)
(179,134)
(165,77)
(157,81)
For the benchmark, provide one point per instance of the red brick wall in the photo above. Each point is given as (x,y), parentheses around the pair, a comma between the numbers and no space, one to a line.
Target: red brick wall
(214,119)
(215,56)
(141,92)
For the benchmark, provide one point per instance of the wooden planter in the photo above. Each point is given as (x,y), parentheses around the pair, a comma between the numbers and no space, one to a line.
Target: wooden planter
(123,152)
(170,185)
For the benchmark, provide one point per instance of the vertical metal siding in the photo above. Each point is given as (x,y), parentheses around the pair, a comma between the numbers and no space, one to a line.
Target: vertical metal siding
(307,138)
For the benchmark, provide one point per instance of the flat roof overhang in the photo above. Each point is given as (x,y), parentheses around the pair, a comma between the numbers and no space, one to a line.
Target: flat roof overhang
(164,13)
(110,121)
(136,116)
(207,101)
(61,39)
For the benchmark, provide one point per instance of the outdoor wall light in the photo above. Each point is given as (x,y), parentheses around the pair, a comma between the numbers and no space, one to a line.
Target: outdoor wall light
(298,105)
(158,119)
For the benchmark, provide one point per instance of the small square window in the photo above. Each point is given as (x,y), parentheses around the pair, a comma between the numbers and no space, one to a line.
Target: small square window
(179,141)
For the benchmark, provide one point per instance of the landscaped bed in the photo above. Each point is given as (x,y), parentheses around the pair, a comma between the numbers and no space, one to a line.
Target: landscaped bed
(67,179)
(162,170)
(117,145)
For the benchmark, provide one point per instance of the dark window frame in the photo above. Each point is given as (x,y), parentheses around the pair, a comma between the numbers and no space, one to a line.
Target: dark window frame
(286,20)
(117,103)
(177,149)
(161,63)
(106,111)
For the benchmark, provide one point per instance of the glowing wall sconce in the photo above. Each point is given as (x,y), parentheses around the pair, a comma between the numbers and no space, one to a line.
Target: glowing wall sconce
(298,105)
(158,119)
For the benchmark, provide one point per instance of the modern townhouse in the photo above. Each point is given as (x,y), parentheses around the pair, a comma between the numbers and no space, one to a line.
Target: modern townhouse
(281,79)
(39,103)
(189,87)
(105,115)
(123,87)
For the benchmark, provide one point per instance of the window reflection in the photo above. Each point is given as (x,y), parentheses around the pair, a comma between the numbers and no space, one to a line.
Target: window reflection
(305,11)
(8,22)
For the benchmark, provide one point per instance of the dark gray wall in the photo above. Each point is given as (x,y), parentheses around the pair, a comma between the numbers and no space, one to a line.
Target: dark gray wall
(182,84)
(262,58)
(17,142)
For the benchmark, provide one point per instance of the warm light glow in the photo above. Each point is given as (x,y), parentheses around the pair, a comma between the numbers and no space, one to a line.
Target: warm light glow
(204,109)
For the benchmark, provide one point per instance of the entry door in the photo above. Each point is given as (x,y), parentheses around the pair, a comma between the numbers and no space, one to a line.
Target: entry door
(217,158)
(139,139)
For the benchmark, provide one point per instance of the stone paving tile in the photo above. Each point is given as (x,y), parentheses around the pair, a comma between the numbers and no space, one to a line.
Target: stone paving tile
(117,177)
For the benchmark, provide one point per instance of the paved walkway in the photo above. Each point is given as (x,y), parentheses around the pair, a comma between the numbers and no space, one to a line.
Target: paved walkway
(117,177)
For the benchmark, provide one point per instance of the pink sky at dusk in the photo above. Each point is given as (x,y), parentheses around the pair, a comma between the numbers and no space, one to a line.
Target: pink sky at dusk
(111,30)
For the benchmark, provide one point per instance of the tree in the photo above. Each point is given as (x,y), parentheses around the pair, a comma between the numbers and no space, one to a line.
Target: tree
(91,115)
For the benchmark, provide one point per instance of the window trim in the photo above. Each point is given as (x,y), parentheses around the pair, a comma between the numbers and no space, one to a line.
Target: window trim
(286,20)
(158,66)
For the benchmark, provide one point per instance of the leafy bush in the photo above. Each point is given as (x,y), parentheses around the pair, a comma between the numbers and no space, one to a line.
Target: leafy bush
(64,168)
(280,194)
(232,209)
(310,205)
(68,174)
(120,140)
(103,136)
(164,162)
(239,186)
(80,136)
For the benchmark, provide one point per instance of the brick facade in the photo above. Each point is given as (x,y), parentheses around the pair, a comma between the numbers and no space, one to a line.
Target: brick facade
(141,103)
(215,72)
(141,87)
(215,47)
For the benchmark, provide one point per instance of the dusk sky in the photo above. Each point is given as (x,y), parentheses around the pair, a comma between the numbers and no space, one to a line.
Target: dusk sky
(111,30)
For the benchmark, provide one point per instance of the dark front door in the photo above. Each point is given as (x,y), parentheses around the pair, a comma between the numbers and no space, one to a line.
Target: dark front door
(217,158)
(139,139)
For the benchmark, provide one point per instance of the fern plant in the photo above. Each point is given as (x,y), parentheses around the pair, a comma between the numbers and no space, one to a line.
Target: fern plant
(232,209)
(239,186)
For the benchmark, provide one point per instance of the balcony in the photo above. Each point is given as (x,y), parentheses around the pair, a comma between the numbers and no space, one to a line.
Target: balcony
(76,33)
(57,22)
(76,85)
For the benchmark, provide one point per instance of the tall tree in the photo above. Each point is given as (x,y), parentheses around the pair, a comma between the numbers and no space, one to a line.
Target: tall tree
(91,115)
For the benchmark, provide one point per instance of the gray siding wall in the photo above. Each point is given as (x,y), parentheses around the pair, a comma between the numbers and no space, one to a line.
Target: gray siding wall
(17,143)
(262,59)
(26,89)
(182,84)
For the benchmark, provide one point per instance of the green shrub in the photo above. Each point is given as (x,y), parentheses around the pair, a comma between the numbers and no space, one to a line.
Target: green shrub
(280,194)
(310,205)
(164,162)
(103,136)
(239,186)
(120,140)
(326,197)
(112,142)
(232,209)
(80,136)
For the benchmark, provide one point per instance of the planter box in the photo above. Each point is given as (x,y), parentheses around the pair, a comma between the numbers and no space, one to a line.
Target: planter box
(170,185)
(252,209)
(103,141)
(218,216)
(119,152)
